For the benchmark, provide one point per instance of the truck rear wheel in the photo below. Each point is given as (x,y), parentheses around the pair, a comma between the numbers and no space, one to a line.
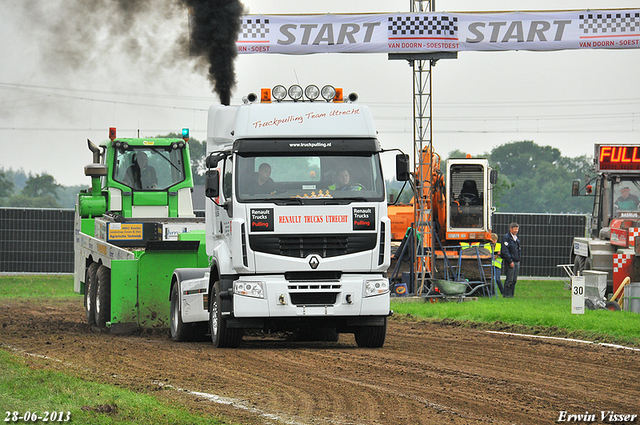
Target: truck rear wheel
(371,336)
(103,297)
(221,336)
(90,293)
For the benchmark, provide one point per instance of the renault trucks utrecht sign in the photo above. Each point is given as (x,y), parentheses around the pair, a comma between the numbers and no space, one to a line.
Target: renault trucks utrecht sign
(439,32)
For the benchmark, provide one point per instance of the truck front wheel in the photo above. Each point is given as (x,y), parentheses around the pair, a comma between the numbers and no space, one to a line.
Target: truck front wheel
(371,336)
(221,336)
(90,285)
(103,297)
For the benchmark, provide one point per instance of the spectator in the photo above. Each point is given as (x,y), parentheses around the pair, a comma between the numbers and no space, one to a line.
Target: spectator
(511,250)
(497,262)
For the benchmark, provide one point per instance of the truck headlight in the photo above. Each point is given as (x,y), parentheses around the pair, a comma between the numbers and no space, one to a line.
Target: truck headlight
(375,287)
(249,288)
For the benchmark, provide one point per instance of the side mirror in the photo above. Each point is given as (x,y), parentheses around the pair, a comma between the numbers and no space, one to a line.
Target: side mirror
(212,184)
(575,188)
(212,160)
(403,172)
(493,176)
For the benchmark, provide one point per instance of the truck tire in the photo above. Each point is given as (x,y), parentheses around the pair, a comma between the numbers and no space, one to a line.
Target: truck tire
(103,296)
(221,336)
(371,336)
(180,331)
(90,293)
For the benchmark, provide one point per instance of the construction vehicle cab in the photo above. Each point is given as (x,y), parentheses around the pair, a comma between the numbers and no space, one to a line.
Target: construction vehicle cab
(469,197)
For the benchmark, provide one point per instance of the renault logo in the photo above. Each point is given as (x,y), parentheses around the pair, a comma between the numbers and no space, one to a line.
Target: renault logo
(314,262)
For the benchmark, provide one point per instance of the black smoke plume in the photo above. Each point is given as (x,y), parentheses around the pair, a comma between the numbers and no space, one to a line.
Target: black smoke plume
(214,31)
(152,36)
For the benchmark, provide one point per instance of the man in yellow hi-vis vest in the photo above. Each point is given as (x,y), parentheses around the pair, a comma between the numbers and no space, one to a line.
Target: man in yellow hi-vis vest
(497,262)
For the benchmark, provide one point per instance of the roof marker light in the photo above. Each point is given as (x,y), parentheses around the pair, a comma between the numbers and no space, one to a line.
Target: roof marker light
(279,93)
(265,95)
(338,97)
(185,134)
(112,133)
(328,93)
(295,92)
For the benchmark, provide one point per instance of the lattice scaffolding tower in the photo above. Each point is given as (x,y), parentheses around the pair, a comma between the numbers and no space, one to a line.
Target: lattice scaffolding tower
(422,64)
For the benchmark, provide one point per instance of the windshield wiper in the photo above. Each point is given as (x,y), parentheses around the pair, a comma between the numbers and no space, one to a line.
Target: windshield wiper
(286,201)
(167,159)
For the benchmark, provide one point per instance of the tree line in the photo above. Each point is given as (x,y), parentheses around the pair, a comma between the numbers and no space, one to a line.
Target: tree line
(531,179)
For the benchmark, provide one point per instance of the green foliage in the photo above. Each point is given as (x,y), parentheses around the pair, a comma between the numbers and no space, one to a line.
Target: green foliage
(23,201)
(6,186)
(537,179)
(40,185)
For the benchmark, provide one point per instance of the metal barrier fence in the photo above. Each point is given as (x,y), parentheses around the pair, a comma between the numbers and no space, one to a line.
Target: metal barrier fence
(41,240)
(547,239)
(36,240)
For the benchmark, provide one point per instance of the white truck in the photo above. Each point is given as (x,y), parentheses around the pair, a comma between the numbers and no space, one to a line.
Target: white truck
(296,223)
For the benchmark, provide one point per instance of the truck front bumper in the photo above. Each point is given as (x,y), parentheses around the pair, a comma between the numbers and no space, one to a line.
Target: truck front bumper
(351,295)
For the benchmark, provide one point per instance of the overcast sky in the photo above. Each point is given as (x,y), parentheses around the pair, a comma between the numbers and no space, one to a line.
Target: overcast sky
(68,73)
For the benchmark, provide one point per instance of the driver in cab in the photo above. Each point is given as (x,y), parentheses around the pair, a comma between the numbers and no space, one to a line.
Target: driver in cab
(626,201)
(343,182)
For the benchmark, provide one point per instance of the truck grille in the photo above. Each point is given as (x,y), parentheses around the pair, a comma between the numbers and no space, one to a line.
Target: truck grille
(301,246)
(313,298)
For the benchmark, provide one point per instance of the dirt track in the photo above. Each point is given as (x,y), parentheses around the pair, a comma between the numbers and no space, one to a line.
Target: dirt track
(425,374)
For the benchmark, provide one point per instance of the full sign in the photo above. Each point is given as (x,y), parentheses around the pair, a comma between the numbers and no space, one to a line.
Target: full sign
(440,32)
(618,157)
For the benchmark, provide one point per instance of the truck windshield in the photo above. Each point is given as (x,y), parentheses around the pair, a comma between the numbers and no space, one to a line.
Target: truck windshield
(149,168)
(626,194)
(302,178)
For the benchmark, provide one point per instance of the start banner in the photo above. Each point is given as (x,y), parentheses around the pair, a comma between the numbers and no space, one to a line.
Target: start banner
(439,32)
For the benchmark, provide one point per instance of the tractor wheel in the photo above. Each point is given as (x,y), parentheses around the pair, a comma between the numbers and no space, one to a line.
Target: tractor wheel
(90,285)
(221,336)
(371,336)
(103,297)
(612,305)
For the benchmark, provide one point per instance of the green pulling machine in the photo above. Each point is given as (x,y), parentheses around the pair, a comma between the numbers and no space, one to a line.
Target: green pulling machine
(133,228)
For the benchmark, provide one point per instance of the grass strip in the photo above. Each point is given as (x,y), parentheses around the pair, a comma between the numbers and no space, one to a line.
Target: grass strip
(28,286)
(24,389)
(542,307)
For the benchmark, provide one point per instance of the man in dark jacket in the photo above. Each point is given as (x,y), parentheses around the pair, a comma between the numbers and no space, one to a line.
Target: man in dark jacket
(511,256)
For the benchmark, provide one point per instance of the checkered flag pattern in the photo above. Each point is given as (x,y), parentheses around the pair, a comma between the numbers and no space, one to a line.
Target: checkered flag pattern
(619,260)
(610,23)
(254,28)
(422,25)
(633,233)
